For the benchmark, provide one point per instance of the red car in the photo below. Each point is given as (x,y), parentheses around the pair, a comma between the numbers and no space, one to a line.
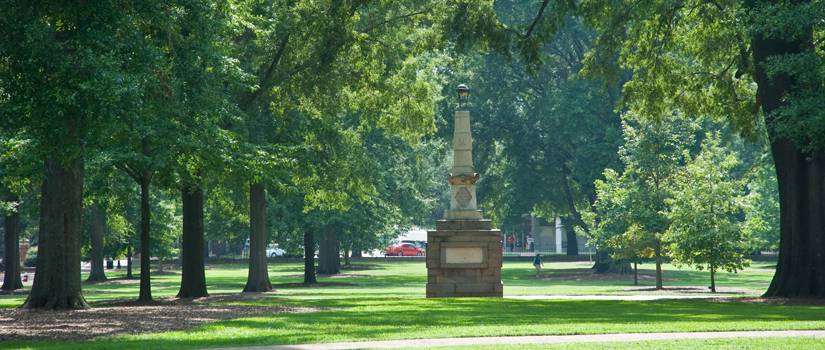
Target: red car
(404,249)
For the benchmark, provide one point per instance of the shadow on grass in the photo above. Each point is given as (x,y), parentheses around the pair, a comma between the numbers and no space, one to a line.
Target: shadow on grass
(391,318)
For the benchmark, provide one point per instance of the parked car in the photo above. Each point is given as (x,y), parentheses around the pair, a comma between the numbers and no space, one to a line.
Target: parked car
(419,244)
(404,249)
(273,250)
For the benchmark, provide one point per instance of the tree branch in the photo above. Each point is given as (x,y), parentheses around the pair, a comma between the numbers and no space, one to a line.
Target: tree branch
(267,76)
(536,20)
(390,20)
(128,170)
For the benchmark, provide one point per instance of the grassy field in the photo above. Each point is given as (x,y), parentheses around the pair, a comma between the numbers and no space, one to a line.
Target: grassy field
(789,343)
(385,301)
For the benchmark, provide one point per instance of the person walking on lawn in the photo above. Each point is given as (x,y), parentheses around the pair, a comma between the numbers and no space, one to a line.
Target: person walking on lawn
(537,263)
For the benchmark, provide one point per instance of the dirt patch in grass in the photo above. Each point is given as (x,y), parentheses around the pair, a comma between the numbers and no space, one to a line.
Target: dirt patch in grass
(129,317)
(361,267)
(337,275)
(690,290)
(589,276)
(319,284)
(783,301)
(15,292)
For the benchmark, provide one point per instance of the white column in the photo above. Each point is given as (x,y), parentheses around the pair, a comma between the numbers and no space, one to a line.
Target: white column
(558,234)
(462,145)
(463,201)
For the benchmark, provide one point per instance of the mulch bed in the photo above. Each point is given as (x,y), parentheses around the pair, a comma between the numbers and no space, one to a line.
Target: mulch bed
(782,301)
(690,290)
(319,284)
(129,317)
(361,267)
(589,276)
(337,275)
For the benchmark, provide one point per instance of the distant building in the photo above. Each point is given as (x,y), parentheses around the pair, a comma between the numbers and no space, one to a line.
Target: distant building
(551,237)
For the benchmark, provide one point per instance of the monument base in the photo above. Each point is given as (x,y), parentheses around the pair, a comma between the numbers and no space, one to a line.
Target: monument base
(464,215)
(464,259)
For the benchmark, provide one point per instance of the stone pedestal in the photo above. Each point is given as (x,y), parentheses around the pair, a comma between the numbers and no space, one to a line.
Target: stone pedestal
(464,252)
(464,259)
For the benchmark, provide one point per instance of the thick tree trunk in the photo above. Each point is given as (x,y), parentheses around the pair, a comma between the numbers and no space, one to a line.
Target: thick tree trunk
(193,274)
(635,273)
(605,264)
(258,278)
(572,242)
(356,252)
(11,257)
(800,270)
(57,281)
(145,294)
(329,256)
(129,274)
(575,217)
(96,231)
(309,258)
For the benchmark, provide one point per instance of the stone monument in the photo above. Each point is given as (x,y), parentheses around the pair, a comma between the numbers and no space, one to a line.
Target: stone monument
(464,252)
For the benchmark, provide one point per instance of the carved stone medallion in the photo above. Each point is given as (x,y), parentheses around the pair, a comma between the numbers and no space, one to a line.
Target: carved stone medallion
(463,197)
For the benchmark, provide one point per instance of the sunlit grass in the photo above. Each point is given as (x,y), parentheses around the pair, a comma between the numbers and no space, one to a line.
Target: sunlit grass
(385,301)
(784,343)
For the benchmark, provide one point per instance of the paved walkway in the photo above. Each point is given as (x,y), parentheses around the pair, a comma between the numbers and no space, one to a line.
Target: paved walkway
(541,339)
(631,297)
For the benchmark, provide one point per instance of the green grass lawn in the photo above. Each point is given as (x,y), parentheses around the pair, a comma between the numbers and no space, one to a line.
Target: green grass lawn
(788,343)
(386,302)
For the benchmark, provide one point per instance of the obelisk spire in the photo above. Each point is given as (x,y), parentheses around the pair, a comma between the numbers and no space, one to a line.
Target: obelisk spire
(463,203)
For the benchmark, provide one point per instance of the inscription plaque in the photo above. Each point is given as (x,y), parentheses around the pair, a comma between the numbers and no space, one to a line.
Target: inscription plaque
(468,255)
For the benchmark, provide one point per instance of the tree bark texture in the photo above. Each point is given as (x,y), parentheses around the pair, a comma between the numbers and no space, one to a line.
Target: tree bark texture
(800,270)
(258,277)
(713,279)
(145,294)
(97,230)
(309,258)
(346,257)
(605,264)
(129,274)
(329,259)
(57,281)
(572,242)
(11,257)
(657,251)
(193,275)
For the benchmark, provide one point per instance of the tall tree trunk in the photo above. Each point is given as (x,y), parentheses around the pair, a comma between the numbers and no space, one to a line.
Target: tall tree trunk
(193,274)
(346,257)
(309,258)
(575,217)
(800,270)
(258,278)
(329,255)
(572,242)
(713,278)
(57,281)
(129,274)
(11,257)
(96,231)
(657,251)
(635,273)
(145,294)
(356,252)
